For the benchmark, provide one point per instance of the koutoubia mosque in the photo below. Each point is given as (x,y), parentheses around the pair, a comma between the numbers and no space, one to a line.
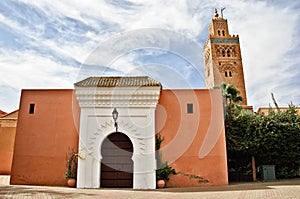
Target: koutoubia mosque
(222,57)
(120,151)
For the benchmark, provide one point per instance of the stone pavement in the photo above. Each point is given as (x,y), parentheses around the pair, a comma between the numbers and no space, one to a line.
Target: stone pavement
(275,189)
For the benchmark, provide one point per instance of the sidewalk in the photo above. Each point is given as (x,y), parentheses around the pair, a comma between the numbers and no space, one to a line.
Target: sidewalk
(274,189)
(4,179)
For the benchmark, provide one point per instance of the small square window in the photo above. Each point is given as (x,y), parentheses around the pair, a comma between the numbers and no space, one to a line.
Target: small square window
(31,108)
(189,108)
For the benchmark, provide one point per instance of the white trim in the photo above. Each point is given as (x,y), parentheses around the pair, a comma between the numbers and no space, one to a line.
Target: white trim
(136,107)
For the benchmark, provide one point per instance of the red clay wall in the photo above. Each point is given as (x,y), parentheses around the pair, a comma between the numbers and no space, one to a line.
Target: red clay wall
(194,144)
(44,138)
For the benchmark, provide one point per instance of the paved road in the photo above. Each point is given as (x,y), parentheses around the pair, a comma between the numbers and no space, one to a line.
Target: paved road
(276,189)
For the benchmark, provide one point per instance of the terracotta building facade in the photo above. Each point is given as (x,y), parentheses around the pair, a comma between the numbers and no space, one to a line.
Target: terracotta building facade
(47,131)
(51,122)
(8,125)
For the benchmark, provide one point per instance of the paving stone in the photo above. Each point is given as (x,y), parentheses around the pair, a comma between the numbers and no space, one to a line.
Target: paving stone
(278,189)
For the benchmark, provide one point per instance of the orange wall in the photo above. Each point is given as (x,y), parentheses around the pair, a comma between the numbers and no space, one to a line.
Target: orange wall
(44,139)
(184,136)
(7,137)
(8,125)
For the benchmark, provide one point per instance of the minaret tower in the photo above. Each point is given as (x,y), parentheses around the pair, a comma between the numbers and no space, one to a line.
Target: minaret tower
(222,57)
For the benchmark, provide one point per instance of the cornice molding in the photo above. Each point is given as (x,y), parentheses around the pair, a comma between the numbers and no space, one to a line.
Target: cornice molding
(118,97)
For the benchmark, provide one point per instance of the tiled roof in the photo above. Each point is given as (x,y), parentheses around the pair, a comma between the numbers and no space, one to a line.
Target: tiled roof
(13,115)
(2,113)
(141,81)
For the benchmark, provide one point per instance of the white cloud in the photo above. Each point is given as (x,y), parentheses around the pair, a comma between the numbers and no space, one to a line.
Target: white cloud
(268,33)
(25,69)
(173,15)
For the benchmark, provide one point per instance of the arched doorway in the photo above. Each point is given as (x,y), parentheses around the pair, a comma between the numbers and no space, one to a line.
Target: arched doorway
(116,164)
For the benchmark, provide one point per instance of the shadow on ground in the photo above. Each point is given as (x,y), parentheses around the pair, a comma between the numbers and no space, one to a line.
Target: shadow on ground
(24,192)
(259,185)
(19,191)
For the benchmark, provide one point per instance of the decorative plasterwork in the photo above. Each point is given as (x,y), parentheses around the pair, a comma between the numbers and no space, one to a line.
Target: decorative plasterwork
(227,67)
(119,97)
(225,40)
(93,143)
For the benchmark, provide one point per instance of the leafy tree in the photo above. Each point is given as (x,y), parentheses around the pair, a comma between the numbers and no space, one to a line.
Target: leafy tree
(272,138)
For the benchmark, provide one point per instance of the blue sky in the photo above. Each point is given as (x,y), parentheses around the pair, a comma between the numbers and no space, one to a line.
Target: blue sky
(53,44)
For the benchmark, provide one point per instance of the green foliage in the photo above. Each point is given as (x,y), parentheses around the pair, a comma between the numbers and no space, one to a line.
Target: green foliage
(164,172)
(273,138)
(71,171)
(230,93)
(158,140)
(199,178)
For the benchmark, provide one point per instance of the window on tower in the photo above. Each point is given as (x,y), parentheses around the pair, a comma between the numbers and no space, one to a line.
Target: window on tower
(223,32)
(219,32)
(228,73)
(31,108)
(228,53)
(223,53)
(190,108)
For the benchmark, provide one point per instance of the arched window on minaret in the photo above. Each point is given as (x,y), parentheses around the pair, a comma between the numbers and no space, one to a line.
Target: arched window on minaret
(228,53)
(223,53)
(228,73)
(223,32)
(219,32)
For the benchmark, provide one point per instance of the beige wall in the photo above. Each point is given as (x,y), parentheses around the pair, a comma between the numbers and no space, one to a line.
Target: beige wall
(265,110)
(44,138)
(194,143)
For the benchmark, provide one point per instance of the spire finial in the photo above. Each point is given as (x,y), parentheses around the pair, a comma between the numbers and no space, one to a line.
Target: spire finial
(222,9)
(216,13)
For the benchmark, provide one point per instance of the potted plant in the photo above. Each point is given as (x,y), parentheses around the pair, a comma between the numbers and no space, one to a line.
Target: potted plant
(162,175)
(71,171)
(163,172)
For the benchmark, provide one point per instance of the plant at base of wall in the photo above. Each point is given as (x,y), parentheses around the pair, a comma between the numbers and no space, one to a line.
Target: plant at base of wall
(199,178)
(164,171)
(71,171)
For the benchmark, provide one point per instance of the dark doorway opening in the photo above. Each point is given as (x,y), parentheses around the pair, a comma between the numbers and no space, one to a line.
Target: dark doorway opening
(117,164)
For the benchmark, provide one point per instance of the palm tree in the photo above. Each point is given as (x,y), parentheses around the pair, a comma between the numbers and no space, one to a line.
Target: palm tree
(230,93)
(231,99)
